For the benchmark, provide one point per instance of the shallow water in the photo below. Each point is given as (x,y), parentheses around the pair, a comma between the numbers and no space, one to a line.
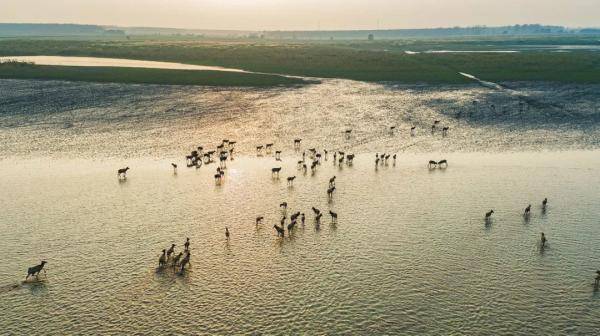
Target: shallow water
(110,62)
(410,254)
(47,118)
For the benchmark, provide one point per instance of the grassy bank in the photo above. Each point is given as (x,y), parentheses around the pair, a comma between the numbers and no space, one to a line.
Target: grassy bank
(142,76)
(358,60)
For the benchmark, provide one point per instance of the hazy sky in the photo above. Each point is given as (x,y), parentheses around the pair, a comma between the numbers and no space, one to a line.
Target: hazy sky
(303,14)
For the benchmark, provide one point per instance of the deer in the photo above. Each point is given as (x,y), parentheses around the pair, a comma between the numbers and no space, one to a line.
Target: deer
(35,270)
(122,173)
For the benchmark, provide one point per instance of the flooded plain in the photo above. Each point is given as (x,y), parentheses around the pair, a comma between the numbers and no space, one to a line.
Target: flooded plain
(410,252)
(109,62)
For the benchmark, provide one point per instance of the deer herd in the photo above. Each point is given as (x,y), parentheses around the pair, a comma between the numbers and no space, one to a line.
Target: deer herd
(225,150)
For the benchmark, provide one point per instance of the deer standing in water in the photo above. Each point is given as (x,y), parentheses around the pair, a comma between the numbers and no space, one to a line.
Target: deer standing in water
(122,173)
(290,180)
(334,216)
(280,230)
(527,210)
(162,260)
(330,192)
(275,171)
(35,270)
(185,261)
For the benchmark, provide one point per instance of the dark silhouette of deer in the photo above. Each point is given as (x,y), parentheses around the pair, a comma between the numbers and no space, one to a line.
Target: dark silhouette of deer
(259,150)
(291,226)
(278,155)
(283,205)
(597,280)
(316,211)
(350,159)
(170,251)
(527,210)
(177,258)
(543,240)
(227,233)
(187,244)
(185,261)
(313,166)
(432,164)
(412,130)
(259,219)
(174,167)
(488,214)
(280,230)
(294,216)
(334,216)
(275,171)
(442,164)
(302,218)
(348,133)
(330,192)
(445,130)
(544,203)
(268,148)
(122,173)
(290,180)
(297,143)
(162,260)
(332,182)
(35,270)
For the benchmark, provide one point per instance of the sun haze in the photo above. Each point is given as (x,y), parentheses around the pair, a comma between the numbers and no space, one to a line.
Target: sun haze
(302,14)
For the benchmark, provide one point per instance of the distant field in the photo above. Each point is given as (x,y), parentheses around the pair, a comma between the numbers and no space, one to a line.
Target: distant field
(143,76)
(358,60)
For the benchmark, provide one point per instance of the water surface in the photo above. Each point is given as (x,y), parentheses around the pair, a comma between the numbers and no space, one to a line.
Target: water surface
(111,62)
(410,253)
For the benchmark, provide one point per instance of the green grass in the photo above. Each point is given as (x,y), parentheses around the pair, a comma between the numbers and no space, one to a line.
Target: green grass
(142,76)
(359,60)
